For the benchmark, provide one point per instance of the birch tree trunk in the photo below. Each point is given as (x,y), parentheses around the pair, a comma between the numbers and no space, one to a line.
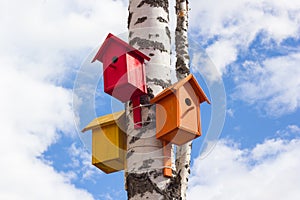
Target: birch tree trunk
(183,152)
(149,32)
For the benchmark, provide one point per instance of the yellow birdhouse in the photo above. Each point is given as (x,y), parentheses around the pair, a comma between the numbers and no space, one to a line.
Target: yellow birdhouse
(178,111)
(108,142)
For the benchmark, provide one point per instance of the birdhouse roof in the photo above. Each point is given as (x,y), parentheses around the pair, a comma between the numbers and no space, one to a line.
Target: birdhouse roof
(104,120)
(173,88)
(113,39)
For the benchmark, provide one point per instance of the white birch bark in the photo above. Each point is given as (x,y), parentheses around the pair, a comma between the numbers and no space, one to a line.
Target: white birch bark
(183,160)
(183,152)
(181,39)
(149,32)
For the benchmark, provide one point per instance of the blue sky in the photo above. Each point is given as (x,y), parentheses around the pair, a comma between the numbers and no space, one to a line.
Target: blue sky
(250,47)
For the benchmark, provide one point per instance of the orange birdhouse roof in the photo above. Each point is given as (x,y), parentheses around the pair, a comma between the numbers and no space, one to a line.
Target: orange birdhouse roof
(173,88)
(110,39)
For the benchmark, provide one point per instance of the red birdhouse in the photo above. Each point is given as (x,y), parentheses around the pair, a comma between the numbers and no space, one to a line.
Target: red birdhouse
(123,73)
(123,69)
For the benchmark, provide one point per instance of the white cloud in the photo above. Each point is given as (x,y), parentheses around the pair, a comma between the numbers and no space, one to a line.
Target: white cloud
(42,43)
(222,53)
(273,86)
(230,112)
(47,37)
(202,63)
(294,128)
(269,171)
(243,19)
(81,163)
(291,130)
(32,112)
(229,27)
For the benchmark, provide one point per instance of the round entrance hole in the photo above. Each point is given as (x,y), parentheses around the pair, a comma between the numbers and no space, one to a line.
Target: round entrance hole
(114,59)
(188,101)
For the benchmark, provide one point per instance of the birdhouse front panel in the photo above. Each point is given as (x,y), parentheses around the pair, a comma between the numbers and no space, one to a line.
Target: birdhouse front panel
(189,117)
(108,142)
(108,148)
(113,54)
(115,75)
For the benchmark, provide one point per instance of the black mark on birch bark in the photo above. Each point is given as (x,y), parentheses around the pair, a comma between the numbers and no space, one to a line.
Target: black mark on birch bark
(173,190)
(180,22)
(181,64)
(155,174)
(130,153)
(150,93)
(140,20)
(161,19)
(139,184)
(153,35)
(141,132)
(181,52)
(156,3)
(138,136)
(182,61)
(160,82)
(130,34)
(168,33)
(144,99)
(148,121)
(129,19)
(181,40)
(147,44)
(146,164)
(134,139)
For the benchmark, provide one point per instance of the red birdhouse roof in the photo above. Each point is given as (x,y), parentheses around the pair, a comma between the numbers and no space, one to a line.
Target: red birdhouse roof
(113,39)
(191,79)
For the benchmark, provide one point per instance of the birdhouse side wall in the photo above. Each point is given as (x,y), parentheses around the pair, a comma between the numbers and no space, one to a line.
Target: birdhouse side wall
(126,80)
(136,73)
(122,139)
(199,120)
(166,115)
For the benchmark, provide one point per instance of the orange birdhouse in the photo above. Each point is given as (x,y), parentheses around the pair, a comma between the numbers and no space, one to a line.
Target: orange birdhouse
(178,111)
(108,142)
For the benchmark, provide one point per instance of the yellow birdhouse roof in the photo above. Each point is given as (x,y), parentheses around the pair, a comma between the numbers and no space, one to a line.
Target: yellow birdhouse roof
(104,120)
(173,88)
